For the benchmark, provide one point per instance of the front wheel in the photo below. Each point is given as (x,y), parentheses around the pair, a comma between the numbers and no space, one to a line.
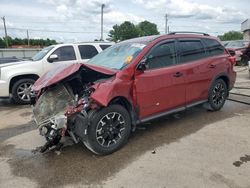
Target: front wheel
(217,95)
(109,130)
(21,91)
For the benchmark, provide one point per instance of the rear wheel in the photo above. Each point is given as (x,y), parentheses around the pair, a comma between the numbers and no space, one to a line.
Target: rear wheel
(109,130)
(21,91)
(217,95)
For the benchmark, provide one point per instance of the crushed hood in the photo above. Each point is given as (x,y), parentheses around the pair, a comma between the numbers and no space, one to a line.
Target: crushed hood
(63,71)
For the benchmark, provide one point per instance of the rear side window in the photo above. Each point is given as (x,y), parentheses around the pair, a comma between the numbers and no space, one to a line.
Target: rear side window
(191,50)
(87,51)
(213,47)
(65,53)
(104,46)
(162,56)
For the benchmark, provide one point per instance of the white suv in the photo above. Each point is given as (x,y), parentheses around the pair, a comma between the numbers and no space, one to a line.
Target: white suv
(16,79)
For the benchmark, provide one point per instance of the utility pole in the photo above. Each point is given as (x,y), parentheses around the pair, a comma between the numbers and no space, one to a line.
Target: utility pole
(103,5)
(6,36)
(28,37)
(166,24)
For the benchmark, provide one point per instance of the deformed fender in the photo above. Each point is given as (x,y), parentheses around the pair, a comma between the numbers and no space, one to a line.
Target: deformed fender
(108,90)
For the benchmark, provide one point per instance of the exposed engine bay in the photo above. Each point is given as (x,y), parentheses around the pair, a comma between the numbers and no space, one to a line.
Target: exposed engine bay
(63,109)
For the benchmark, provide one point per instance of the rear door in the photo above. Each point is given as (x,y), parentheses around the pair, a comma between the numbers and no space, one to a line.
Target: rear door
(161,86)
(202,62)
(192,54)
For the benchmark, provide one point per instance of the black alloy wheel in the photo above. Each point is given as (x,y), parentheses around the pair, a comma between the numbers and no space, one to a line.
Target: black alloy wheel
(109,130)
(217,95)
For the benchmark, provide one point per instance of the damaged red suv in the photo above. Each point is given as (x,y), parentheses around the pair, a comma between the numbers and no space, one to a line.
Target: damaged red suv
(99,103)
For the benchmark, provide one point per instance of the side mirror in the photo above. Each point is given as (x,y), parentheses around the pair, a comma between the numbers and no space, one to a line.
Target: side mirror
(142,65)
(52,58)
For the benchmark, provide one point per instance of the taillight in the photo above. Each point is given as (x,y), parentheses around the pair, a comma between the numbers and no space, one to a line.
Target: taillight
(232,59)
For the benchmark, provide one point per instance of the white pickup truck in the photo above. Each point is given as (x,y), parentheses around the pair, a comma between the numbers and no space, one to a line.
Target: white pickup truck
(17,78)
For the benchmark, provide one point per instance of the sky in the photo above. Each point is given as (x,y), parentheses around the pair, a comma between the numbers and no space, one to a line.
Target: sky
(80,20)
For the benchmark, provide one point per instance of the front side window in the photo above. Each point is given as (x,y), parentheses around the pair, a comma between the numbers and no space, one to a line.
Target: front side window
(191,50)
(213,47)
(162,56)
(87,51)
(65,53)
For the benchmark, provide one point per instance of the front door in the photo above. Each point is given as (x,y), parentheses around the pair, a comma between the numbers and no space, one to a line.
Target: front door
(65,54)
(161,86)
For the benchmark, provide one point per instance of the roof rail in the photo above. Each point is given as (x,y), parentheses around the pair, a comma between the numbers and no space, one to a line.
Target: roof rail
(188,32)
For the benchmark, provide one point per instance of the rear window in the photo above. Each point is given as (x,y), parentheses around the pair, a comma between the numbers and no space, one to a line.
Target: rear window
(191,50)
(87,51)
(213,47)
(104,46)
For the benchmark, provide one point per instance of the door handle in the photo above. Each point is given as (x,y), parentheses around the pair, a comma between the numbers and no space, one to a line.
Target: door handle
(212,66)
(178,74)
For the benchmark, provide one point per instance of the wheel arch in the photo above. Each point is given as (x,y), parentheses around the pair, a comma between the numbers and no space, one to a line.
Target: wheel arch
(128,106)
(16,78)
(224,77)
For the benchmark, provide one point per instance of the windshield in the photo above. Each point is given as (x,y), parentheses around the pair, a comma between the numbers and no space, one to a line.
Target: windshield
(118,55)
(42,53)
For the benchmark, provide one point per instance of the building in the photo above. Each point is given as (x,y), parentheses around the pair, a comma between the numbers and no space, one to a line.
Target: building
(245,28)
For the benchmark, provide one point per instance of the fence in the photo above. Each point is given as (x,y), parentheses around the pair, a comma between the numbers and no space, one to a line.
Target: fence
(23,53)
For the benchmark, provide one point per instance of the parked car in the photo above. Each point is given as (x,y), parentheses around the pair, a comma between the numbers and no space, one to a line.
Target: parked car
(17,78)
(241,49)
(225,42)
(100,102)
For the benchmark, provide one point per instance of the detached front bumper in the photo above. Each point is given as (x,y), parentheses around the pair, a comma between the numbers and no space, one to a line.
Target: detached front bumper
(4,89)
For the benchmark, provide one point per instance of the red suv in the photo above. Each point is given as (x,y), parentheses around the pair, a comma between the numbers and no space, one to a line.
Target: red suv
(100,102)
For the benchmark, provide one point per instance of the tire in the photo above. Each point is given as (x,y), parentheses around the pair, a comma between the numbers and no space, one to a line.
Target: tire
(106,136)
(21,91)
(217,95)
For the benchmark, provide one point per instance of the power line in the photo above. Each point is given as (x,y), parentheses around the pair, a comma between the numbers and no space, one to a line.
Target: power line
(53,31)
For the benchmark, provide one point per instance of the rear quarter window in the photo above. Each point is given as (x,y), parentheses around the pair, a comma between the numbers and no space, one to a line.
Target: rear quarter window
(213,47)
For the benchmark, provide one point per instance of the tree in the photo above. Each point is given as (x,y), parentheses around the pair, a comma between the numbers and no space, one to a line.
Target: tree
(231,35)
(19,41)
(126,30)
(147,28)
(2,43)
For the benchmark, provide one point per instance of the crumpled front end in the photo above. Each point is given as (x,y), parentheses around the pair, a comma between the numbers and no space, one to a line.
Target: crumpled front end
(63,108)
(52,103)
